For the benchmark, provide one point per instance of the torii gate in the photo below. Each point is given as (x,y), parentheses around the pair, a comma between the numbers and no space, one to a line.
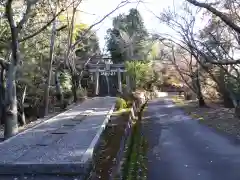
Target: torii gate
(108,69)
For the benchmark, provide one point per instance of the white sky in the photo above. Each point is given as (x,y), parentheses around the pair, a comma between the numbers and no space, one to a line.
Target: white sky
(96,9)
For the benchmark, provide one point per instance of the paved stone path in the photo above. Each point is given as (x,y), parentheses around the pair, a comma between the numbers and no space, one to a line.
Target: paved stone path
(183,149)
(63,144)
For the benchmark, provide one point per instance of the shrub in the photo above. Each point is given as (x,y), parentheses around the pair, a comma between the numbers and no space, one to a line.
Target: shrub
(67,95)
(121,103)
(82,92)
(129,103)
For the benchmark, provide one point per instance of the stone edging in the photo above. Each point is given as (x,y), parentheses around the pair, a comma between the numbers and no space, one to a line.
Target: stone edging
(86,158)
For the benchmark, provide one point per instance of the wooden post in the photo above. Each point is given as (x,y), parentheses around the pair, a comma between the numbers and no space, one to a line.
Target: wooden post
(97,82)
(128,83)
(119,80)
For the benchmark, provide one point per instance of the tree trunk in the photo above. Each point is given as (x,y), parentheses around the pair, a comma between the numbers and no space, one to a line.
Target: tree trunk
(48,83)
(227,101)
(201,101)
(21,118)
(70,39)
(59,94)
(70,36)
(2,94)
(197,85)
(11,122)
(74,87)
(11,113)
(237,110)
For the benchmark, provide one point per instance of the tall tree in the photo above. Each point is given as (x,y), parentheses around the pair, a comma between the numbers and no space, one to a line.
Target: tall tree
(126,40)
(89,45)
(25,55)
(51,59)
(18,35)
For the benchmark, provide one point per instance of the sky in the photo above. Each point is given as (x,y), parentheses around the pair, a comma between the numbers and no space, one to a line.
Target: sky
(93,10)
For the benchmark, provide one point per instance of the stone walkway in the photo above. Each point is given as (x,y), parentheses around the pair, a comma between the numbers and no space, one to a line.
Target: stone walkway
(34,122)
(63,144)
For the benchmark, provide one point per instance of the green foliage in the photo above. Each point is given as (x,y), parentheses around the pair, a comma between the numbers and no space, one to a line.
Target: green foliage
(128,37)
(141,72)
(82,92)
(78,30)
(121,104)
(134,166)
(65,81)
(115,47)
(233,86)
(32,71)
(89,44)
(67,95)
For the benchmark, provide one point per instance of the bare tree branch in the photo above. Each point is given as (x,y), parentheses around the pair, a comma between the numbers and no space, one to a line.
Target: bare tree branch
(123,3)
(221,15)
(26,14)
(46,25)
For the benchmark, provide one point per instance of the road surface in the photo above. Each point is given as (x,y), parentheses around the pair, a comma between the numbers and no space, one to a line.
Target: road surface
(182,149)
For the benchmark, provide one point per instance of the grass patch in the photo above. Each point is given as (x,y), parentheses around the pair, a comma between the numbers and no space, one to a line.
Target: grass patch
(134,166)
(119,112)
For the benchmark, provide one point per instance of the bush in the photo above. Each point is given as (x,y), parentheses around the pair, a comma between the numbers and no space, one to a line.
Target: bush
(67,95)
(82,92)
(121,103)
(129,103)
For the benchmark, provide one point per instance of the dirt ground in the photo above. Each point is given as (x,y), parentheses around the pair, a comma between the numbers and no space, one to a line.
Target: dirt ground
(215,115)
(105,157)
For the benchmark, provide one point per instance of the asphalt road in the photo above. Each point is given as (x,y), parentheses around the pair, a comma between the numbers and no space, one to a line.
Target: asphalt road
(182,149)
